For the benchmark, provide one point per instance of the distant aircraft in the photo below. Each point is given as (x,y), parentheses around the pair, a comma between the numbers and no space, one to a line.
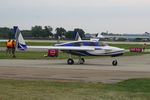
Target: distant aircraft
(79,48)
(99,36)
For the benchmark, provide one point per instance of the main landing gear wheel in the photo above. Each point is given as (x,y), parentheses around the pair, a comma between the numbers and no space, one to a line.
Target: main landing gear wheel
(81,61)
(114,63)
(70,61)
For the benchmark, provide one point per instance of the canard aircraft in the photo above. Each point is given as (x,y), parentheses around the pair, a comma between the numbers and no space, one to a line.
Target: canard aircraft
(80,48)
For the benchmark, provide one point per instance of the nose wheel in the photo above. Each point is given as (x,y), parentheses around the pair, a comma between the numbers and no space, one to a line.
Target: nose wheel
(114,62)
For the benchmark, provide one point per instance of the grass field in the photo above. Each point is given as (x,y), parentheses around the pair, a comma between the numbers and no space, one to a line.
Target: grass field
(133,89)
(40,55)
(35,55)
(3,44)
(128,46)
(125,46)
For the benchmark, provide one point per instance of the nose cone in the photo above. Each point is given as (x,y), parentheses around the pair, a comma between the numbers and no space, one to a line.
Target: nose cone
(114,51)
(118,50)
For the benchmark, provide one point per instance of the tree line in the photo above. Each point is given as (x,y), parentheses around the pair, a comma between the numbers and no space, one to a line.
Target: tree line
(39,32)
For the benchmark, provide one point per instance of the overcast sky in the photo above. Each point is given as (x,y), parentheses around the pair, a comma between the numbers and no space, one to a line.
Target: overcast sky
(93,16)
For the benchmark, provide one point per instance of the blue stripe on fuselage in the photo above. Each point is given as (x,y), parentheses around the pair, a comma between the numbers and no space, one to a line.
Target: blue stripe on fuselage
(85,53)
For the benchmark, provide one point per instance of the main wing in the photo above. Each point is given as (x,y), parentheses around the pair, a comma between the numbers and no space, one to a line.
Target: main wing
(63,47)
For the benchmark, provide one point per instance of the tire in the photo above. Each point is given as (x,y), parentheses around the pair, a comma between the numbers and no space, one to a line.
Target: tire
(70,61)
(114,63)
(83,60)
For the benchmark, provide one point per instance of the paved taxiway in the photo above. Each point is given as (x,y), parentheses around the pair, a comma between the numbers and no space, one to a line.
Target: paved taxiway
(96,70)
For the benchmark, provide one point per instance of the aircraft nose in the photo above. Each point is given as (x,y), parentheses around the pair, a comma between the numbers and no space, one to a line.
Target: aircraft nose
(119,50)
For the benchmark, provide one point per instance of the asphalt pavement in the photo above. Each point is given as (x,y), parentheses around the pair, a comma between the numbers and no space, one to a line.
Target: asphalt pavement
(94,70)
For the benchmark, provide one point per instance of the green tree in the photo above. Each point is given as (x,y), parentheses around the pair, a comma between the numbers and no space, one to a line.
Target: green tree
(27,33)
(37,31)
(146,33)
(6,32)
(70,35)
(48,31)
(60,32)
(104,33)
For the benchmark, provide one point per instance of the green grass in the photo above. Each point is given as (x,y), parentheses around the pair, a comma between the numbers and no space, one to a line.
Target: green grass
(36,55)
(40,55)
(128,46)
(3,44)
(41,43)
(133,89)
(32,55)
(125,46)
(135,53)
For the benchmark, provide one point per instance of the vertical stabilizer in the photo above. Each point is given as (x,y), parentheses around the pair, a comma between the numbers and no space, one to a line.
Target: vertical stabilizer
(77,36)
(100,36)
(21,45)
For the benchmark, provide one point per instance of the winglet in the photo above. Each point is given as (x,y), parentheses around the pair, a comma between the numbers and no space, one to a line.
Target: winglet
(21,45)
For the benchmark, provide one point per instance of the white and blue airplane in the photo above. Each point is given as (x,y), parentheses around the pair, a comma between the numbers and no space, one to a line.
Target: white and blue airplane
(79,48)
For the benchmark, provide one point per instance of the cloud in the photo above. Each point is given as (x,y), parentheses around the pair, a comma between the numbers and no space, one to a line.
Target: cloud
(92,15)
(100,2)
(75,3)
